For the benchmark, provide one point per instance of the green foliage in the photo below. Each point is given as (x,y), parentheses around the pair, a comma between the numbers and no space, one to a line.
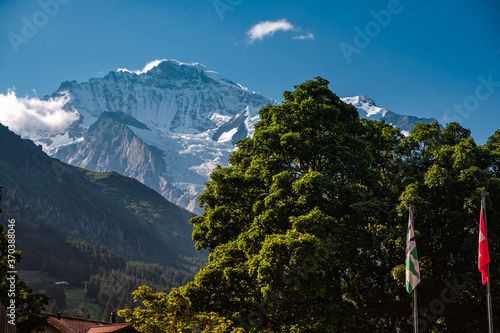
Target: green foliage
(172,313)
(306,227)
(111,279)
(98,256)
(290,224)
(112,289)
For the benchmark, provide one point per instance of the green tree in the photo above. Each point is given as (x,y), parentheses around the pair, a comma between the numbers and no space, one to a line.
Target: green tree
(291,224)
(306,227)
(28,305)
(172,312)
(448,173)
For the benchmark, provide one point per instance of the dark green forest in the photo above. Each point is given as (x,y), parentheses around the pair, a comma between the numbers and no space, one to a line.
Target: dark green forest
(110,278)
(306,228)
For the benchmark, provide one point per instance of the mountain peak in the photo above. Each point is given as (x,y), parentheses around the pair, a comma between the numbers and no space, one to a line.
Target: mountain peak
(359,101)
(163,64)
(368,109)
(174,70)
(366,104)
(366,100)
(168,95)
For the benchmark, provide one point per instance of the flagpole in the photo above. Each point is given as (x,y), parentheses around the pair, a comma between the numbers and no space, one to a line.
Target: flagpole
(488,289)
(415,308)
(415,311)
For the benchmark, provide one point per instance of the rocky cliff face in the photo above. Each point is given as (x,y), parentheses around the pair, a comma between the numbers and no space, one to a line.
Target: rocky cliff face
(109,145)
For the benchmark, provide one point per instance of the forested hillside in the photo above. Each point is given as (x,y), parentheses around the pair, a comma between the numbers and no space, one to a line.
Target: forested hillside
(77,225)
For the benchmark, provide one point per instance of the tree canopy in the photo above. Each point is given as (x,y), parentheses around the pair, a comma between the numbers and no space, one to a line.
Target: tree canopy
(306,226)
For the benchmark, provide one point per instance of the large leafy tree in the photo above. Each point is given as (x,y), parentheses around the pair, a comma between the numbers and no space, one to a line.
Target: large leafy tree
(306,227)
(292,223)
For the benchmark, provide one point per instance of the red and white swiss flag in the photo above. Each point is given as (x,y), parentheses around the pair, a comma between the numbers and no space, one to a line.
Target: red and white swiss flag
(483,256)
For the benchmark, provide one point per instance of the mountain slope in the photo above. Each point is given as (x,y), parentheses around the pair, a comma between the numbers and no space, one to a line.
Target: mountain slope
(109,145)
(134,221)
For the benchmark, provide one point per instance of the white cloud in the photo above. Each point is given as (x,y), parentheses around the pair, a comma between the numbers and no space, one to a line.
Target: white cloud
(35,118)
(150,65)
(268,28)
(303,37)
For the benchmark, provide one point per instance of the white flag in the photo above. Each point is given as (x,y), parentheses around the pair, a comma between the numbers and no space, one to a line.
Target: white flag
(412,270)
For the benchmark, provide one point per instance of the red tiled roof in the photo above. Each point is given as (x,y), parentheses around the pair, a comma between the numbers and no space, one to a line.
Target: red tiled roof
(113,328)
(68,324)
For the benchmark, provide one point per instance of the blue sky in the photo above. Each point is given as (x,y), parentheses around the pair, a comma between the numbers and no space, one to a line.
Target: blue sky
(430,59)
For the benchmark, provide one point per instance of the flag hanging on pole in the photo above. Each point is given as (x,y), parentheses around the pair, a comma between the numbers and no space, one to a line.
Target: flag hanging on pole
(412,270)
(483,257)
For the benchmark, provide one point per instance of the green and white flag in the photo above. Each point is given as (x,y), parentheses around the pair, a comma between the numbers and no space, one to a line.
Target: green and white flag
(412,270)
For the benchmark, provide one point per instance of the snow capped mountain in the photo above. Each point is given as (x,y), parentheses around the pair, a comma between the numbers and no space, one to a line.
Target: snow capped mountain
(180,120)
(171,96)
(367,109)
(167,125)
